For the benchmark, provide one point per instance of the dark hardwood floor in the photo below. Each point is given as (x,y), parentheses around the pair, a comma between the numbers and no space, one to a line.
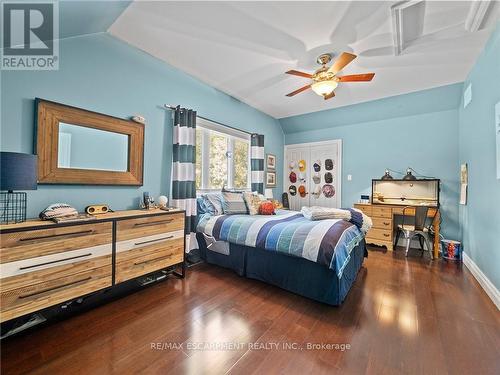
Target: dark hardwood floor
(401,316)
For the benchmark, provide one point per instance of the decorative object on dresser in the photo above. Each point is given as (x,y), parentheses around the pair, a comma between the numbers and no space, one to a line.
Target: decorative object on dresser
(147,201)
(76,146)
(97,209)
(163,202)
(57,210)
(44,264)
(18,172)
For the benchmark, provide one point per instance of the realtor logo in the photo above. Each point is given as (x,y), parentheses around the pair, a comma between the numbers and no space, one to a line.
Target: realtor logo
(30,35)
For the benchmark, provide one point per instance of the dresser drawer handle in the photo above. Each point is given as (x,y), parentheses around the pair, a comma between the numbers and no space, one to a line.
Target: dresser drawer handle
(152,223)
(75,234)
(386,235)
(151,241)
(55,261)
(55,288)
(386,223)
(153,260)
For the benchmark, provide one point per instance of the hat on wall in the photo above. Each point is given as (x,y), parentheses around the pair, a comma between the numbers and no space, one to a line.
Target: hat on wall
(328,178)
(328,190)
(302,165)
(302,177)
(293,177)
(292,165)
(317,165)
(302,191)
(317,178)
(292,190)
(329,164)
(316,192)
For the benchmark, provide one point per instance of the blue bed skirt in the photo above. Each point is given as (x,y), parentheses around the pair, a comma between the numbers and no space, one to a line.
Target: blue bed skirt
(297,275)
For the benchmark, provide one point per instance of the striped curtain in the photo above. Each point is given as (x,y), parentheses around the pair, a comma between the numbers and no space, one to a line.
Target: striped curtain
(257,162)
(183,170)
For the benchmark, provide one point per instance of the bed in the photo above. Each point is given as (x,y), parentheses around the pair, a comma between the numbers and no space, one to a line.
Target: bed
(315,259)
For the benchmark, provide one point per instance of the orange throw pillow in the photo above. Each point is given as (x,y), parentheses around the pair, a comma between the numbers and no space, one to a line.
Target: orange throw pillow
(266,208)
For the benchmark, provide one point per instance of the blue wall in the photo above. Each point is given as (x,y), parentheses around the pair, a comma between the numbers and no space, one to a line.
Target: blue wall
(480,218)
(102,74)
(427,142)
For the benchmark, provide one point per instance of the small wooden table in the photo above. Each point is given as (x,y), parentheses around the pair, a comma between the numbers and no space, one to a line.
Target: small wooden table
(382,232)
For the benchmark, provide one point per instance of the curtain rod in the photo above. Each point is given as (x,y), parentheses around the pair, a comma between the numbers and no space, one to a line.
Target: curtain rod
(168,106)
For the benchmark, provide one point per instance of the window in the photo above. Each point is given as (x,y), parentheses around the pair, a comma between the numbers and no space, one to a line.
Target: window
(222,157)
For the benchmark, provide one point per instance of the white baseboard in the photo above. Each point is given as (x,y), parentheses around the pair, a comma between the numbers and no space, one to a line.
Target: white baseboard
(481,278)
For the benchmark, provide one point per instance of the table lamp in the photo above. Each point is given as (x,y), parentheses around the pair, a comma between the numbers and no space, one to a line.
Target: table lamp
(268,193)
(17,172)
(408,176)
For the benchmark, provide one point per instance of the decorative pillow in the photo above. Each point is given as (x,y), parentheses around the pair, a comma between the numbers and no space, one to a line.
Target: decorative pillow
(253,202)
(266,208)
(215,200)
(262,197)
(204,206)
(233,203)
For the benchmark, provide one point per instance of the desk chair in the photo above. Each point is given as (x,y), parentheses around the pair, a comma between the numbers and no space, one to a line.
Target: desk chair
(416,228)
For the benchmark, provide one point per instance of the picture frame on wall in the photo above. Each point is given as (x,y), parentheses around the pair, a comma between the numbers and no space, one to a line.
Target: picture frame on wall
(271,179)
(271,162)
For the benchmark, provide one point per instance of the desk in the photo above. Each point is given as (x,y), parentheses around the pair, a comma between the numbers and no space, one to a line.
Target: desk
(382,232)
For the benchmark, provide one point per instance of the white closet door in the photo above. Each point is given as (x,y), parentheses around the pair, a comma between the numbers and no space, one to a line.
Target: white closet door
(295,155)
(328,156)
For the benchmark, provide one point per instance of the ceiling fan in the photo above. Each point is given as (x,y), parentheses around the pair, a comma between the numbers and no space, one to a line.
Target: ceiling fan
(325,80)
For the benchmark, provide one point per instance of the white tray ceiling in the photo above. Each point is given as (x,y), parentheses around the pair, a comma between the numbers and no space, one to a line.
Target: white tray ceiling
(244,48)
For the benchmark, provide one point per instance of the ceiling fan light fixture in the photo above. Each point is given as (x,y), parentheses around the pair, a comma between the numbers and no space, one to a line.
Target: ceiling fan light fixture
(323,88)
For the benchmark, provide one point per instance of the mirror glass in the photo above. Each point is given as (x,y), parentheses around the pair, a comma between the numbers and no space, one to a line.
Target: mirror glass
(80,147)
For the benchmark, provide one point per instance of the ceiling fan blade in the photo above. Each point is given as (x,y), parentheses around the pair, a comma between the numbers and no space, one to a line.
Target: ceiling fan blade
(300,74)
(329,96)
(357,77)
(298,91)
(341,62)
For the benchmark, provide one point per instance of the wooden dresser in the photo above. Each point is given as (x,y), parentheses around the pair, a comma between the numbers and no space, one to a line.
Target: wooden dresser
(43,264)
(381,232)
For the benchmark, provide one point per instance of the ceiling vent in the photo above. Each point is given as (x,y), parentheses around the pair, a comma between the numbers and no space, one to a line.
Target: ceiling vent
(476,16)
(407,23)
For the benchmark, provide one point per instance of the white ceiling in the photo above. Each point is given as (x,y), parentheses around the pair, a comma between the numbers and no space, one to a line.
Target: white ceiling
(244,48)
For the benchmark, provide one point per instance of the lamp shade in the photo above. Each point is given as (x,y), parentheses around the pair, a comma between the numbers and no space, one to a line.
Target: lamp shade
(18,171)
(386,176)
(268,193)
(408,176)
(324,87)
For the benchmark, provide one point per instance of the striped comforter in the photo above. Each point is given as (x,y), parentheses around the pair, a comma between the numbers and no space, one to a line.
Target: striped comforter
(327,242)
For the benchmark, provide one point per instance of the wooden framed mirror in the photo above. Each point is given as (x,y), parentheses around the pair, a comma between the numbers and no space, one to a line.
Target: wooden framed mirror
(76,146)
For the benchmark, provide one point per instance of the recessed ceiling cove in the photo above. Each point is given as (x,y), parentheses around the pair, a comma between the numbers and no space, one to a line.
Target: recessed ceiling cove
(244,48)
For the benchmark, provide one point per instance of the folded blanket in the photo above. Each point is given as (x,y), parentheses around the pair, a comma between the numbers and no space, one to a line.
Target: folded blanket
(352,215)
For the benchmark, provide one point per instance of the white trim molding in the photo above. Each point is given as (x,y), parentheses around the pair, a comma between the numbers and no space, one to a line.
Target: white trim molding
(481,278)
